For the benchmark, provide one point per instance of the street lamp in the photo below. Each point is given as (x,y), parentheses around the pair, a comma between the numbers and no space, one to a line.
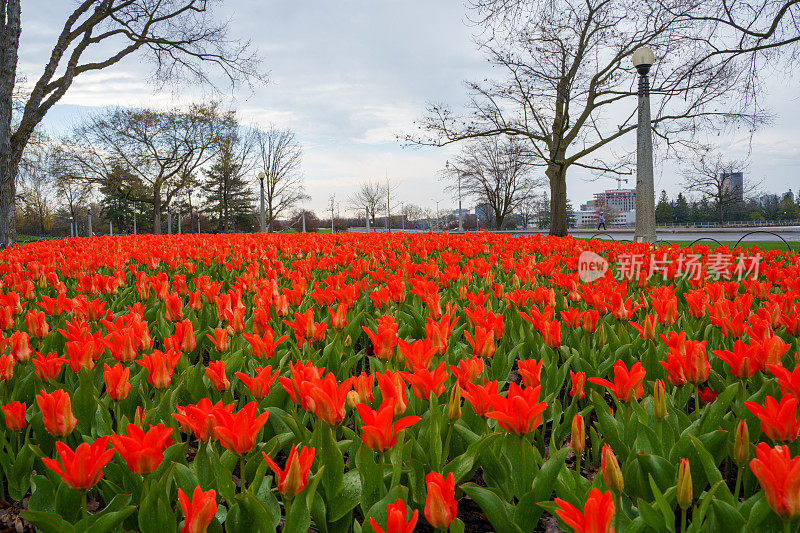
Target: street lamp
(643,59)
(261,177)
(458,172)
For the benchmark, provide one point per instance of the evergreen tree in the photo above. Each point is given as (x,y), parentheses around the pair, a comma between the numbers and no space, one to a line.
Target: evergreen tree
(665,213)
(681,209)
(229,197)
(571,221)
(118,191)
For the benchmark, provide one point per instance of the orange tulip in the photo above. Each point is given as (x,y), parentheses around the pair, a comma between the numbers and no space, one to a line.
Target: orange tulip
(379,433)
(199,512)
(441,506)
(83,468)
(292,479)
(56,409)
(779,475)
(597,515)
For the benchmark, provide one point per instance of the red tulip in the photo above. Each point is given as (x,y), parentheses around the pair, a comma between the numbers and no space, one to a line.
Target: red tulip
(384,339)
(520,412)
(627,384)
(143,452)
(467,370)
(397,521)
(743,360)
(81,353)
(14,414)
(200,418)
(173,307)
(183,339)
(482,343)
(597,515)
(36,323)
(220,339)
(160,367)
(302,373)
(305,329)
(260,385)
(440,505)
(116,380)
(122,344)
(215,371)
(779,421)
(292,479)
(264,345)
(20,346)
(328,398)
(789,382)
(199,512)
(480,397)
(379,434)
(647,331)
(393,388)
(530,370)
(237,431)
(779,475)
(47,366)
(419,352)
(56,409)
(6,367)
(362,384)
(424,382)
(83,468)
(578,382)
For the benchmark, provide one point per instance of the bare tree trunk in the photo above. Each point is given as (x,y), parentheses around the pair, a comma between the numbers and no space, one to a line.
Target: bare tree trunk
(9,157)
(557,175)
(157,210)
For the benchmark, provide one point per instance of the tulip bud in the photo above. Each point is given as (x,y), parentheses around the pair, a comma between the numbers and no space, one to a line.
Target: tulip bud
(612,475)
(684,494)
(578,435)
(353,399)
(138,417)
(454,405)
(741,444)
(660,400)
(601,336)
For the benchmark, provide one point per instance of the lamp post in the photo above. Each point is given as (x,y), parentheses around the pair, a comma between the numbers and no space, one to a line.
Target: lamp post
(643,59)
(458,172)
(261,177)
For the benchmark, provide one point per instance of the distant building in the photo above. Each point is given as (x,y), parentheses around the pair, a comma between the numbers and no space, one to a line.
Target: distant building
(483,212)
(617,205)
(615,199)
(733,184)
(464,212)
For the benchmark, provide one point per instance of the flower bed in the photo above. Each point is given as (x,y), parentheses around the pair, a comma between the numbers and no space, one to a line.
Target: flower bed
(387,382)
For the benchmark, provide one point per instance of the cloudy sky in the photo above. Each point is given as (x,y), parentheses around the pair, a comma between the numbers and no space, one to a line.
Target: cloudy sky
(349,76)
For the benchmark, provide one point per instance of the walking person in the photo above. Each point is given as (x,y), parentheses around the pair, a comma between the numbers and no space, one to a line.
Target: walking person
(601,221)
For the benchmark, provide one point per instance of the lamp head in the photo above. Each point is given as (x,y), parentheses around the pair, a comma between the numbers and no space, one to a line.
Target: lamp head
(643,59)
(261,175)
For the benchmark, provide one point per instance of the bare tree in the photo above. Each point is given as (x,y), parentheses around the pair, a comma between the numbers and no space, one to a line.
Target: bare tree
(369,196)
(179,37)
(163,149)
(568,85)
(714,178)
(496,172)
(69,185)
(279,158)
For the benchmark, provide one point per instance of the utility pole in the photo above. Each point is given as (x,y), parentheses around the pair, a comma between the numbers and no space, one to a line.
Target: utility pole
(367,218)
(110,228)
(303,215)
(261,177)
(388,211)
(134,219)
(90,221)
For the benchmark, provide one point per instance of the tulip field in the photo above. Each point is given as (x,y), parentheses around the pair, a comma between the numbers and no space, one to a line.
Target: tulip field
(397,382)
